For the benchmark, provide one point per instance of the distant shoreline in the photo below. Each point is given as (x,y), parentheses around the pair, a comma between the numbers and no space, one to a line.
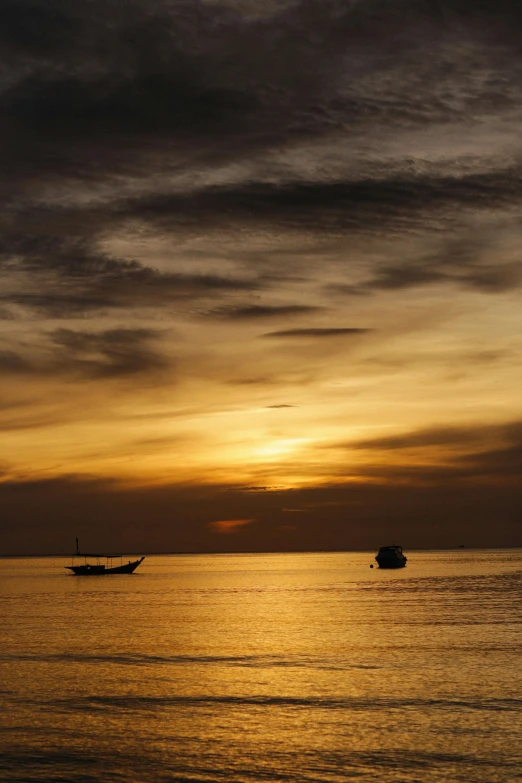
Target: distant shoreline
(274,552)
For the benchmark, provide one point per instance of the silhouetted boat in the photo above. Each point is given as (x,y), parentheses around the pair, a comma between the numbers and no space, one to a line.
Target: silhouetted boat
(99,568)
(391,557)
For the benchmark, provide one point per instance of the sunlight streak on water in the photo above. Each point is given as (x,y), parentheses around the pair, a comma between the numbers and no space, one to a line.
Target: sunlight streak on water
(294,667)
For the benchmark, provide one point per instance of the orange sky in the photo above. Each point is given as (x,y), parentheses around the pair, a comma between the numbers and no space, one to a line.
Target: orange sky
(261,277)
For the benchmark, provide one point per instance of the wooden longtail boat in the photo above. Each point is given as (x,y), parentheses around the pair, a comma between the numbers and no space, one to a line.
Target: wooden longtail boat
(100,568)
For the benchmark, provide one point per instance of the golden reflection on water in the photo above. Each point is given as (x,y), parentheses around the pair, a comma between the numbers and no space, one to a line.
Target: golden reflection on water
(264,667)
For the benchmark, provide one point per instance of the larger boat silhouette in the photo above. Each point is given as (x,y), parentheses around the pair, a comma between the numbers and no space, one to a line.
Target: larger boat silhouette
(391,557)
(100,568)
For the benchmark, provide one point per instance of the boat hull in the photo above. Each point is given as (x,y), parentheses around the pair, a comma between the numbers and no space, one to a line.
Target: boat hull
(101,570)
(384,564)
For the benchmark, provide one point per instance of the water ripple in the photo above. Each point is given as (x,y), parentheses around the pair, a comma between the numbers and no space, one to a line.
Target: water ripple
(318,702)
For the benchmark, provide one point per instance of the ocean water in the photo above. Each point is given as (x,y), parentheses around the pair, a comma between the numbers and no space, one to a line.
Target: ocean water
(286,667)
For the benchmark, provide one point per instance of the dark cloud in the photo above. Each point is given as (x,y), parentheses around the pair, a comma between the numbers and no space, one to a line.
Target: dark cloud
(108,354)
(65,251)
(319,333)
(344,516)
(71,275)
(52,306)
(489,279)
(12,362)
(469,261)
(401,200)
(505,462)
(434,436)
(447,454)
(77,276)
(90,354)
(99,295)
(261,312)
(148,78)
(104,88)
(102,100)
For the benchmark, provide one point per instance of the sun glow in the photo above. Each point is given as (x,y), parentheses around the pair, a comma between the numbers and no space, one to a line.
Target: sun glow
(276,449)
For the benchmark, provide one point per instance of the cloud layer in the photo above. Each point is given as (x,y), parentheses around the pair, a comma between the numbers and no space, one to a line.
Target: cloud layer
(249,232)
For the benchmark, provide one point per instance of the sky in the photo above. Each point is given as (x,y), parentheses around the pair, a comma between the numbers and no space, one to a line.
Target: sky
(261,267)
